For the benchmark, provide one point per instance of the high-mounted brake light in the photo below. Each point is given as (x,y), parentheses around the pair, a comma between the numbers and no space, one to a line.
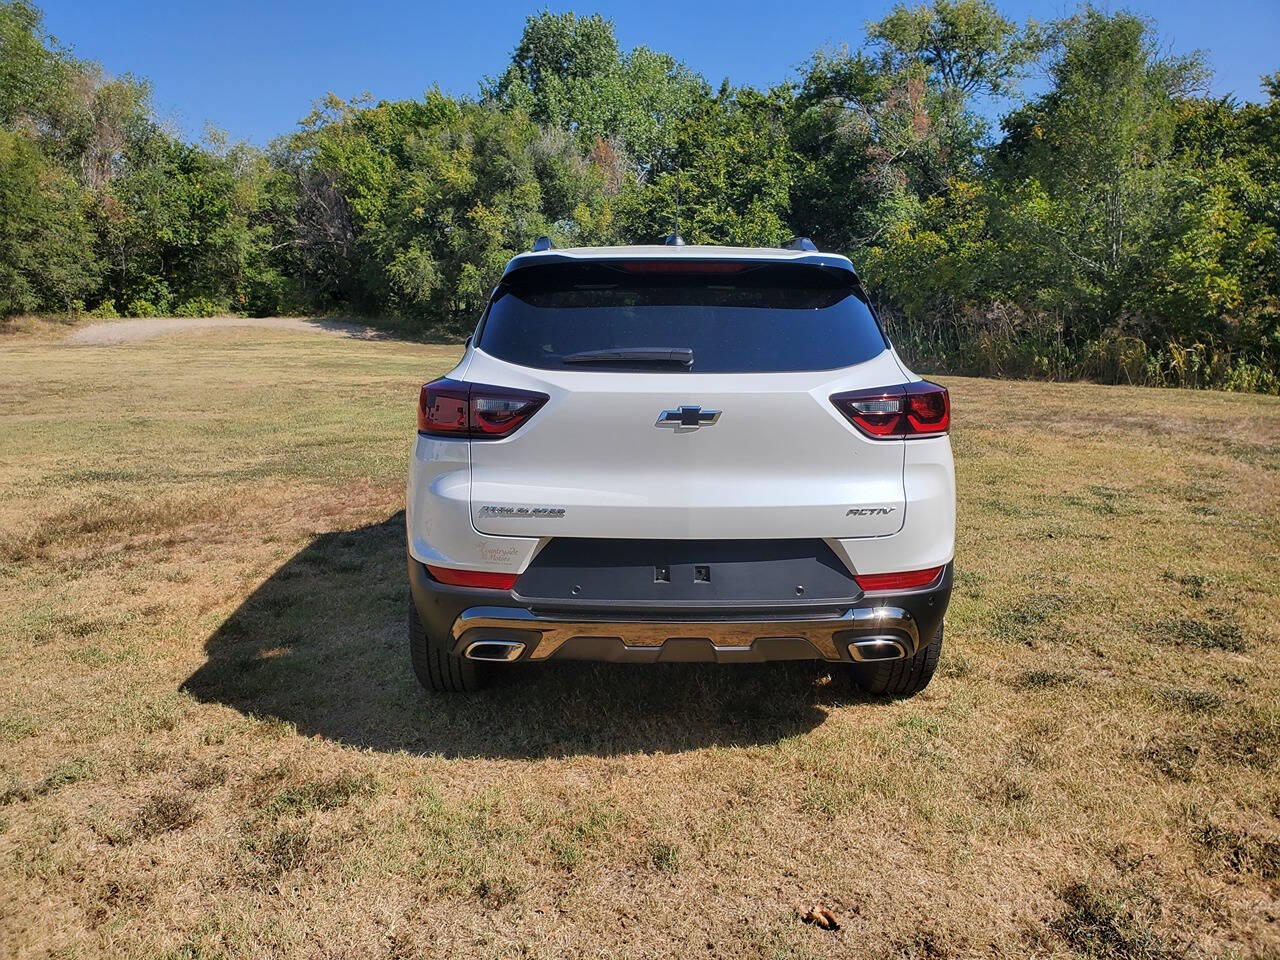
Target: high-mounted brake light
(906,411)
(686,266)
(473,578)
(475,411)
(906,580)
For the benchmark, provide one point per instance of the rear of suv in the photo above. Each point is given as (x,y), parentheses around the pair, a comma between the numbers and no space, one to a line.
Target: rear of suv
(680,453)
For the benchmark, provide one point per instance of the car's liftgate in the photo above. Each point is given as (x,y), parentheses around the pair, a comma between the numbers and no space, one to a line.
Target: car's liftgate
(613,455)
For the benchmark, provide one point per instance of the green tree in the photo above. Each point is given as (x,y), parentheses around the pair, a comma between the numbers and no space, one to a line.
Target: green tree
(176,225)
(414,207)
(567,72)
(80,117)
(555,65)
(33,71)
(730,171)
(880,133)
(1089,165)
(46,248)
(1215,259)
(967,47)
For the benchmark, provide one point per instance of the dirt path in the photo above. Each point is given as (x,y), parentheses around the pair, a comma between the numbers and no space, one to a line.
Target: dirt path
(147,328)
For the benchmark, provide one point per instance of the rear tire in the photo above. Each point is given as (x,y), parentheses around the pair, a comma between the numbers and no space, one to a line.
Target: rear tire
(435,665)
(900,678)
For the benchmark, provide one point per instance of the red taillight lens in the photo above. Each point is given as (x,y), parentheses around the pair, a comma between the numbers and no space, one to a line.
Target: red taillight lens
(907,580)
(442,409)
(473,578)
(450,408)
(919,409)
(928,408)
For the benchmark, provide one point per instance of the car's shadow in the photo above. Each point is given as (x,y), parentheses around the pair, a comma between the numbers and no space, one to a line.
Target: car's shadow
(322,644)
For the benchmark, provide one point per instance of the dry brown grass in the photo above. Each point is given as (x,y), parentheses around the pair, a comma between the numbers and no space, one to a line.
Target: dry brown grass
(211,745)
(36,328)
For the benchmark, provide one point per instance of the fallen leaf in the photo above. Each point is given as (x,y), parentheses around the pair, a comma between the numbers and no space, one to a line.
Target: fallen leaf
(821,917)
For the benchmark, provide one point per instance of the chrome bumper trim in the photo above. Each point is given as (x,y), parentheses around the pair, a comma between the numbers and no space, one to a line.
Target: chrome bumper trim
(834,638)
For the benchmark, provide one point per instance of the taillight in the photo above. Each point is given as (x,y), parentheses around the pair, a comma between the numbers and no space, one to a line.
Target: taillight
(442,409)
(472,578)
(906,411)
(928,409)
(476,411)
(906,580)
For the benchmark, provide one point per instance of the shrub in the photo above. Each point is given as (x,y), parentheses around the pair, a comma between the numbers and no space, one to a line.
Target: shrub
(200,307)
(106,310)
(1026,347)
(142,308)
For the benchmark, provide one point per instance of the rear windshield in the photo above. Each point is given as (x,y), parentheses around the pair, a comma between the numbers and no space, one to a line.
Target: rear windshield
(735,318)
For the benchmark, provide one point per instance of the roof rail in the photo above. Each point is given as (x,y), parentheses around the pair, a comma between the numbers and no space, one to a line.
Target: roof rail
(542,243)
(801,243)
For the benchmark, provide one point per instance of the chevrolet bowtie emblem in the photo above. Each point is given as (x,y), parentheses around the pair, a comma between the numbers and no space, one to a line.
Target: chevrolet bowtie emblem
(687,416)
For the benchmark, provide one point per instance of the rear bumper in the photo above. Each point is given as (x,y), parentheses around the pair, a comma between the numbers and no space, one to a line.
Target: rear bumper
(497,625)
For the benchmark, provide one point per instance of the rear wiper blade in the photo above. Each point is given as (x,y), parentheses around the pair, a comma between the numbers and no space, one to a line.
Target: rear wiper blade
(679,355)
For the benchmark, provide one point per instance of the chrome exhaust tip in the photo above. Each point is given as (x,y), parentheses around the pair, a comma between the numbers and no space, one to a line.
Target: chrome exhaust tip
(870,649)
(501,651)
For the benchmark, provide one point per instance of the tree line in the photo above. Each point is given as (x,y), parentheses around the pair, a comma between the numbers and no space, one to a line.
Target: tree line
(1121,225)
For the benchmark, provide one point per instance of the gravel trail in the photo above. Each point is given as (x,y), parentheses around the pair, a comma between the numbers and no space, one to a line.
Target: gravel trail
(148,328)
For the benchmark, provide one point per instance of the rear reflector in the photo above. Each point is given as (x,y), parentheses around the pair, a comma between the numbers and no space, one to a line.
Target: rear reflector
(907,580)
(473,578)
(903,412)
(475,411)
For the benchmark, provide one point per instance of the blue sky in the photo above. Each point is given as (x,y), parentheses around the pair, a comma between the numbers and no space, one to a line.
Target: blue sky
(254,68)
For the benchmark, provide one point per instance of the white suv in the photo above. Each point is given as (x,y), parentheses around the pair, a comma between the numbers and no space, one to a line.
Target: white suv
(680,453)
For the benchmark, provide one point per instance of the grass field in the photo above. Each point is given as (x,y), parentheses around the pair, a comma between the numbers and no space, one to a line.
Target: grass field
(211,744)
